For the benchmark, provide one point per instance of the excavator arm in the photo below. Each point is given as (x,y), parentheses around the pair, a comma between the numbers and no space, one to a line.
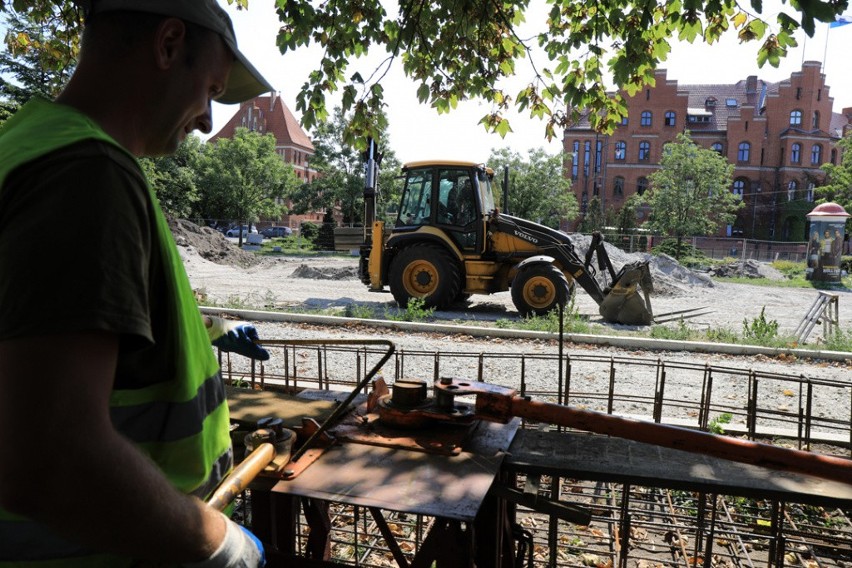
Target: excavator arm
(619,301)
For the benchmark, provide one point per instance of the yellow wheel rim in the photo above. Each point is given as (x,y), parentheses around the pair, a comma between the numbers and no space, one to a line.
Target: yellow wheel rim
(539,292)
(420,278)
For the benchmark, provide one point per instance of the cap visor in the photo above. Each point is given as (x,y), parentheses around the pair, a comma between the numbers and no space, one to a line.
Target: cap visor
(244,82)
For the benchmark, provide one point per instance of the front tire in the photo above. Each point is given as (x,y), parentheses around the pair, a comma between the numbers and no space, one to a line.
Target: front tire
(540,289)
(425,271)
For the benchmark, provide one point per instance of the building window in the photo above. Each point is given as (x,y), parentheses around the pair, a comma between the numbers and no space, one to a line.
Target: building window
(587,154)
(645,118)
(809,195)
(731,103)
(618,187)
(796,153)
(815,123)
(670,118)
(796,118)
(644,151)
(739,188)
(624,121)
(575,159)
(641,185)
(791,190)
(743,152)
(620,150)
(816,155)
(716,147)
(598,152)
(833,156)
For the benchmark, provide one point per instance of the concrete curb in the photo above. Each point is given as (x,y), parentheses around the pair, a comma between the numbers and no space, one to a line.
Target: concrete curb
(605,340)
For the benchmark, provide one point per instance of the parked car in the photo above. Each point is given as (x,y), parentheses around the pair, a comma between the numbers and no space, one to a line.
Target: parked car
(245,230)
(271,232)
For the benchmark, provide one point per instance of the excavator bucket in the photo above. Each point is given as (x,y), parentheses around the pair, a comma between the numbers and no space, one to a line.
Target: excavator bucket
(622,302)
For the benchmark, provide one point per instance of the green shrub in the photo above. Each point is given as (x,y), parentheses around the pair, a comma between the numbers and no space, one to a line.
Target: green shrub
(309,232)
(415,310)
(840,341)
(715,425)
(759,328)
(846,264)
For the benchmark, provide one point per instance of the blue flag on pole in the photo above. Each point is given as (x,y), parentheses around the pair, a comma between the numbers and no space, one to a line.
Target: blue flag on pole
(840,21)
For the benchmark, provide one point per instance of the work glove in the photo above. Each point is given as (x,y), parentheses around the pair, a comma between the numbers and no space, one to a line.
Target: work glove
(239,549)
(236,337)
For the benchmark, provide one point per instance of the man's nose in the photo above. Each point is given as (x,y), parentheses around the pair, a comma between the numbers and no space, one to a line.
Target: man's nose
(204,122)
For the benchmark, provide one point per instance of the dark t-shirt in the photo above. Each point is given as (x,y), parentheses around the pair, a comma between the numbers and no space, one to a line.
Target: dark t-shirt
(76,233)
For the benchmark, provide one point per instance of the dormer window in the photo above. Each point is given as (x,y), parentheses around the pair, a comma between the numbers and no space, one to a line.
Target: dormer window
(731,103)
(710,102)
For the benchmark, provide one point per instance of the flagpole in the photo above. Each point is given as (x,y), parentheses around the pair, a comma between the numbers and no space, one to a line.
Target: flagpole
(825,51)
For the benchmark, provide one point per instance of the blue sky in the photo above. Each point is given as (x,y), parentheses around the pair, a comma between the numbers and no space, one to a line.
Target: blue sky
(418,132)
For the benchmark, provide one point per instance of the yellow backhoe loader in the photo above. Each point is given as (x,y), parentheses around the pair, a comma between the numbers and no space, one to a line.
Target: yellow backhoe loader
(450,241)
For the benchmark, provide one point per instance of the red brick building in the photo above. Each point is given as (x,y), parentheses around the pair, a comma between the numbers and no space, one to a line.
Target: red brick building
(267,114)
(777,135)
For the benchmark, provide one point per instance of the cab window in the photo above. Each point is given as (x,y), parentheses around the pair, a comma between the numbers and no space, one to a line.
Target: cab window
(415,206)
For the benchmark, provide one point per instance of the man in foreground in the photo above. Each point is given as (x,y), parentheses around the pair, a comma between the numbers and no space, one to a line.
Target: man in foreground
(113,419)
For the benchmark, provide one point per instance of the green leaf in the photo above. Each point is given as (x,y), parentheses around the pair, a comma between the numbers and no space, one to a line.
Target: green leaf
(503,128)
(423,92)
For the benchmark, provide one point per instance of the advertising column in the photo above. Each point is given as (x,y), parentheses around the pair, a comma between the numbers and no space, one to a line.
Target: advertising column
(825,242)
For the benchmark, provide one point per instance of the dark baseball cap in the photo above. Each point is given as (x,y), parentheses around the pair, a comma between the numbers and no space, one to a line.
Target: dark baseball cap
(245,82)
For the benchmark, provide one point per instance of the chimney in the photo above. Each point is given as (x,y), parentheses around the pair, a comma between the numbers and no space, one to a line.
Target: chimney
(751,85)
(272,97)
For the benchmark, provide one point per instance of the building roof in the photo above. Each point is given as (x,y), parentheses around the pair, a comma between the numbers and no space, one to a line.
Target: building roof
(751,91)
(268,114)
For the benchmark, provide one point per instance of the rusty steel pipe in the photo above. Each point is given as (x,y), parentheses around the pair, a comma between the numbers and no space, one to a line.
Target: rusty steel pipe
(237,481)
(684,439)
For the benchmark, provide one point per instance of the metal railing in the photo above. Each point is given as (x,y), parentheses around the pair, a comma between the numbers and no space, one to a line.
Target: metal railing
(631,526)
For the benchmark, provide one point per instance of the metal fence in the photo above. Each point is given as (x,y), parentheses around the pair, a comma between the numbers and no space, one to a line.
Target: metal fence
(635,526)
(331,236)
(717,247)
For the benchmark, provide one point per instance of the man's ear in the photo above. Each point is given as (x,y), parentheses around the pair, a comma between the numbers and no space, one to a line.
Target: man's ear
(169,42)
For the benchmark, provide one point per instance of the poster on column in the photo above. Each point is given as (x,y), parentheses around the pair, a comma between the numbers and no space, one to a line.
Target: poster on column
(825,247)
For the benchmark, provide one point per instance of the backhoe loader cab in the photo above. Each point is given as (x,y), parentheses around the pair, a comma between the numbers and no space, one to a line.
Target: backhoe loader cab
(449,241)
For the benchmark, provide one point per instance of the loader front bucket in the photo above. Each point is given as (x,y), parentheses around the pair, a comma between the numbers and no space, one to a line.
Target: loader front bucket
(623,303)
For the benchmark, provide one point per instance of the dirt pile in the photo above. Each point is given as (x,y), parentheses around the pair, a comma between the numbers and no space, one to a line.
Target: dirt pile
(209,244)
(748,269)
(670,277)
(325,273)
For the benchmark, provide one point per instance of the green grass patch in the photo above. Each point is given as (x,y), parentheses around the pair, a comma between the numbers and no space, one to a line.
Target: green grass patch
(549,322)
(680,332)
(292,245)
(840,341)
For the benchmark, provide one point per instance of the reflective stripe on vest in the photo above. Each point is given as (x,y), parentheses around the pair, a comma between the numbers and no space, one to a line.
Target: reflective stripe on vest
(181,423)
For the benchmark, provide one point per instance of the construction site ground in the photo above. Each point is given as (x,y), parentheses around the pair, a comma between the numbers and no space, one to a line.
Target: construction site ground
(665,527)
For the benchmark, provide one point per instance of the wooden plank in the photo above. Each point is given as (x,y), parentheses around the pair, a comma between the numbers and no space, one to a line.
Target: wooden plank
(593,457)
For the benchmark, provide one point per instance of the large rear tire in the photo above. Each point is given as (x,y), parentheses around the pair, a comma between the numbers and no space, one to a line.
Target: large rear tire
(539,289)
(425,271)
